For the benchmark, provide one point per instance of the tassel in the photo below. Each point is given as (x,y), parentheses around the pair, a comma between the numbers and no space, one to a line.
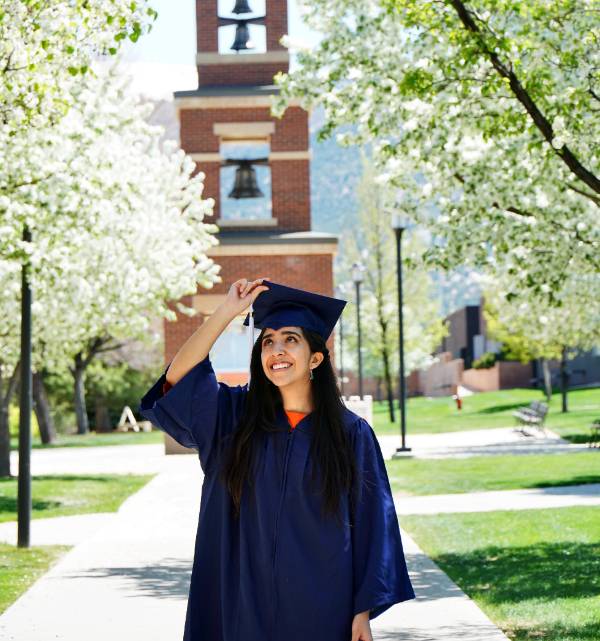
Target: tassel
(251,335)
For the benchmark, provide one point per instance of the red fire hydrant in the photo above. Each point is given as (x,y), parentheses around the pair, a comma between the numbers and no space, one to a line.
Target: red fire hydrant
(457,398)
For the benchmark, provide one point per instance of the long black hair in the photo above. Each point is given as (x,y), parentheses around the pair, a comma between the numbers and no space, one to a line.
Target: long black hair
(330,447)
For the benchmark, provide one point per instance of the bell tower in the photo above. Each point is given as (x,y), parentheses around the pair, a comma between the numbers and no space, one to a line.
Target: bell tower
(257,167)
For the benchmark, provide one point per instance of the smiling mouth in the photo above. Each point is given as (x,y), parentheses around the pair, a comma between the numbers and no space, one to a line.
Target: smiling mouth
(280,366)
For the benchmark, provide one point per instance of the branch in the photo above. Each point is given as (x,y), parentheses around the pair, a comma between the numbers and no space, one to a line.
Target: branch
(525,214)
(110,348)
(540,121)
(28,183)
(593,198)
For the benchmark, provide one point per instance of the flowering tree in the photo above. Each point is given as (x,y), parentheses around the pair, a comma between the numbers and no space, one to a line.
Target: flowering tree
(117,230)
(484,112)
(533,328)
(372,244)
(45,43)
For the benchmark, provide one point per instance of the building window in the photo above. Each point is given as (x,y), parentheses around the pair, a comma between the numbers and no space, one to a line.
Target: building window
(258,33)
(258,208)
(231,351)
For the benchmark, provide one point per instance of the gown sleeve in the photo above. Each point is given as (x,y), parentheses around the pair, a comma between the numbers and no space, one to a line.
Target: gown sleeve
(198,412)
(380,575)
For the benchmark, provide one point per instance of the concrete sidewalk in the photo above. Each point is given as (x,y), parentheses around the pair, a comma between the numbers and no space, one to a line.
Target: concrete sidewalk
(529,499)
(59,530)
(489,442)
(130,578)
(107,459)
(71,530)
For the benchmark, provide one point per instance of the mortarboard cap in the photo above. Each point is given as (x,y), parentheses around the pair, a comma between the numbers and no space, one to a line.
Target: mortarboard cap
(282,306)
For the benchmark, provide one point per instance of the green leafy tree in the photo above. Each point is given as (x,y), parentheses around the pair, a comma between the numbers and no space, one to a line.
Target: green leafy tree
(372,243)
(534,328)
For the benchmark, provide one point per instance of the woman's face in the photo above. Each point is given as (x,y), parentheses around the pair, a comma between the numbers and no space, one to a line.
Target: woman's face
(286,356)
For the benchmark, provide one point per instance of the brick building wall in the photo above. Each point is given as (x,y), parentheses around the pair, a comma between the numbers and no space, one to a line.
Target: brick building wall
(228,72)
(312,272)
(234,92)
(290,178)
(206,19)
(240,74)
(196,127)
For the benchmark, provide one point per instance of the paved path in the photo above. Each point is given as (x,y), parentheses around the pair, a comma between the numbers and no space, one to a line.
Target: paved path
(462,444)
(59,530)
(129,580)
(134,570)
(70,530)
(149,459)
(109,459)
(537,498)
(136,562)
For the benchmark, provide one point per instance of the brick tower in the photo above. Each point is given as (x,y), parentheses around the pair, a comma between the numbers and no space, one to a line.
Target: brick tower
(225,120)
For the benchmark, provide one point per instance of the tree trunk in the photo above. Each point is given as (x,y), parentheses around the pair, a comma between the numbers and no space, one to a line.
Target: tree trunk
(547,379)
(4,441)
(103,423)
(388,382)
(5,397)
(42,409)
(564,379)
(79,396)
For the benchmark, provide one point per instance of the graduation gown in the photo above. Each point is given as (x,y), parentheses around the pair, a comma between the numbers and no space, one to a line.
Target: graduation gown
(282,572)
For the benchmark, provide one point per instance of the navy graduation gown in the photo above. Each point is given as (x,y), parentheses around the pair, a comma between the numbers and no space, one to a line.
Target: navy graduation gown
(282,572)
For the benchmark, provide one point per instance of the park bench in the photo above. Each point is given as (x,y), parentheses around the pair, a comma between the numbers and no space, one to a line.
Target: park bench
(532,416)
(594,434)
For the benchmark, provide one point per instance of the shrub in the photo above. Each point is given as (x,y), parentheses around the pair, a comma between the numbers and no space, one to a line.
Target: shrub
(485,361)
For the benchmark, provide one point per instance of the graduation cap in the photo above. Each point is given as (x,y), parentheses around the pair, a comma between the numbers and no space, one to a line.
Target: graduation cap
(283,306)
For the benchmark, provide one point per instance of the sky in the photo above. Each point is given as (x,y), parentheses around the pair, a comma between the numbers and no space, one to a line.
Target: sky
(164,58)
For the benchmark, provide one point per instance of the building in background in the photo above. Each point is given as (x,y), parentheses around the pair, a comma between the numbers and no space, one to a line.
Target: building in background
(257,169)
(467,341)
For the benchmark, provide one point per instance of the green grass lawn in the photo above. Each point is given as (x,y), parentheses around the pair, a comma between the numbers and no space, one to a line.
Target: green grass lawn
(491,409)
(21,567)
(60,495)
(93,440)
(481,473)
(535,573)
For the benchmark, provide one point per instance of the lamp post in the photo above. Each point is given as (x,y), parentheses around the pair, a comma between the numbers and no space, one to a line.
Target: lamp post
(24,482)
(399,225)
(339,291)
(357,277)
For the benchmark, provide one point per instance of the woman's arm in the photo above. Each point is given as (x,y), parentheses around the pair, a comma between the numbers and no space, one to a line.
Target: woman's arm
(241,294)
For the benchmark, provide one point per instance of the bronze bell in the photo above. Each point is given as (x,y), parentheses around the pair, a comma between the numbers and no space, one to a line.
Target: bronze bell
(241,6)
(242,37)
(245,185)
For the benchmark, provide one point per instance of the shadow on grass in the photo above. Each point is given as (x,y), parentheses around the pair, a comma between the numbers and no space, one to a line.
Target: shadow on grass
(169,579)
(580,437)
(494,409)
(102,478)
(574,480)
(557,632)
(8,504)
(545,571)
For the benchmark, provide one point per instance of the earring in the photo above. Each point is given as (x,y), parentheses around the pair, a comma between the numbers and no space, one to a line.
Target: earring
(312,376)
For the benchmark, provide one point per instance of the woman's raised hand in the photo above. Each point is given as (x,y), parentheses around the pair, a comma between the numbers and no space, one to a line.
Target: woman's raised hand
(242,293)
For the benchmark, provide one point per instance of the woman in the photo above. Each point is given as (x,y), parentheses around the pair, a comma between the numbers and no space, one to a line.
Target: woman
(297,537)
